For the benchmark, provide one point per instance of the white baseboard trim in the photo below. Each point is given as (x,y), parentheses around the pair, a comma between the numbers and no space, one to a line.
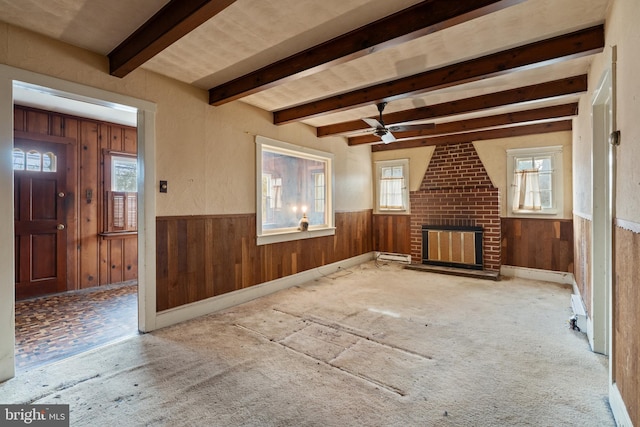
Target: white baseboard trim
(220,302)
(537,274)
(618,407)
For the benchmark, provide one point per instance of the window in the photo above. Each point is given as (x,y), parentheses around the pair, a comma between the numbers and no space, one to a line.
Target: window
(33,161)
(319,191)
(535,176)
(392,193)
(293,182)
(124,174)
(121,181)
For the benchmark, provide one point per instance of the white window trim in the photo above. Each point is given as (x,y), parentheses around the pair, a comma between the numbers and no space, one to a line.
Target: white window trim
(405,194)
(265,237)
(558,181)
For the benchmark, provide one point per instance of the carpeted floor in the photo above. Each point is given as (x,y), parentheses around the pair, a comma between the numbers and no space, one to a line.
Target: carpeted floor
(366,346)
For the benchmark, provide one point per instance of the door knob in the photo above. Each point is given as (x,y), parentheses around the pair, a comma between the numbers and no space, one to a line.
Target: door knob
(60,226)
(61,194)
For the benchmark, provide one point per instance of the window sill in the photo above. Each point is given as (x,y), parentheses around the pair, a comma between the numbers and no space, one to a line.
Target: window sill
(534,214)
(266,239)
(392,212)
(118,235)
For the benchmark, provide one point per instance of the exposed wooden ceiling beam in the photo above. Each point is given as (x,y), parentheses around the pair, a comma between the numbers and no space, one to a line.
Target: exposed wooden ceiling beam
(176,19)
(416,21)
(577,44)
(507,119)
(552,89)
(540,128)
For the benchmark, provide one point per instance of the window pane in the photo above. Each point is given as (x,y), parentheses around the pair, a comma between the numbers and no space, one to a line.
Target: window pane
(18,159)
(49,162)
(545,199)
(34,161)
(392,188)
(545,181)
(124,174)
(543,163)
(298,190)
(524,163)
(319,192)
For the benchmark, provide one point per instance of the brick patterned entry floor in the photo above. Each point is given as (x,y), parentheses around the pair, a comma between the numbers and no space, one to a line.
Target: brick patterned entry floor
(54,327)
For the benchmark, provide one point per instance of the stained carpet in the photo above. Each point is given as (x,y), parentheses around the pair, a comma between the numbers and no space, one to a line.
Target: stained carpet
(365,346)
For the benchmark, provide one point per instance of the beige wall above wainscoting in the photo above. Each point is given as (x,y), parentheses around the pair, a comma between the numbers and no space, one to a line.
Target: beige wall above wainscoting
(419,159)
(493,154)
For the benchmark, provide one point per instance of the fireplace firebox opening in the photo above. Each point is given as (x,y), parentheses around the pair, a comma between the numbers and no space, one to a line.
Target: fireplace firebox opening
(452,246)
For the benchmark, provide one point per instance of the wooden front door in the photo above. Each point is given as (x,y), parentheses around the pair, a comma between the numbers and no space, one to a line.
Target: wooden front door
(39,218)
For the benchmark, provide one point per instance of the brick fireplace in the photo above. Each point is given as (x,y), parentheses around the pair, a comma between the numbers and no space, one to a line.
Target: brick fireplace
(456,191)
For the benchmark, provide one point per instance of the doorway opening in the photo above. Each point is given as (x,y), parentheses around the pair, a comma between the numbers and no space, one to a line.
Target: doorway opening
(146,111)
(603,172)
(76,246)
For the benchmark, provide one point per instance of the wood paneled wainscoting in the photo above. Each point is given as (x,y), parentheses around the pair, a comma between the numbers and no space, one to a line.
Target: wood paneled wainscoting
(582,256)
(199,257)
(626,318)
(545,244)
(391,233)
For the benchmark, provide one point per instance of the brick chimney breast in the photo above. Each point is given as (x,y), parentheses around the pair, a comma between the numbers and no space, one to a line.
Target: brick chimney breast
(456,190)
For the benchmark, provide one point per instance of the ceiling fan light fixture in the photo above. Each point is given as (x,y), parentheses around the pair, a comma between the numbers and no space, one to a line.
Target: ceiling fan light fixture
(379,129)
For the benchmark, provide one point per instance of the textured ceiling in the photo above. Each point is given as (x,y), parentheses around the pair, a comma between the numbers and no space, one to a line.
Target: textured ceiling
(250,34)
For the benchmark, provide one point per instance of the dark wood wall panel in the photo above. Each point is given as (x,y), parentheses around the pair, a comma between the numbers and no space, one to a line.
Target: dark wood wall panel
(118,255)
(92,260)
(72,206)
(89,227)
(582,257)
(626,318)
(545,244)
(392,233)
(204,256)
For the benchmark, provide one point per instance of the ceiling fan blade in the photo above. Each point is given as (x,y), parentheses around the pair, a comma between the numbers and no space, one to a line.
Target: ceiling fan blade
(372,122)
(408,128)
(388,137)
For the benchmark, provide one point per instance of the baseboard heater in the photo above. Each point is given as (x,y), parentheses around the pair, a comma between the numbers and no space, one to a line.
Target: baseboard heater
(579,313)
(388,256)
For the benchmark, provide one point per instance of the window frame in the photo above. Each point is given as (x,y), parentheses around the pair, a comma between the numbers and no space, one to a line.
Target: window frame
(109,227)
(379,165)
(557,185)
(268,236)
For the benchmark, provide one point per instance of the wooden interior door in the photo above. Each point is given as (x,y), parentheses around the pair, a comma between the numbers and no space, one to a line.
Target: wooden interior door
(39,218)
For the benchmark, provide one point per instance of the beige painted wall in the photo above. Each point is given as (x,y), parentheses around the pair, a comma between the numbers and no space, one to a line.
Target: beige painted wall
(419,159)
(493,154)
(625,35)
(207,154)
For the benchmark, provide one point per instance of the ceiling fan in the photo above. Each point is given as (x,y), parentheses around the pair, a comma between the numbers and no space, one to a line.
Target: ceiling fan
(379,129)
